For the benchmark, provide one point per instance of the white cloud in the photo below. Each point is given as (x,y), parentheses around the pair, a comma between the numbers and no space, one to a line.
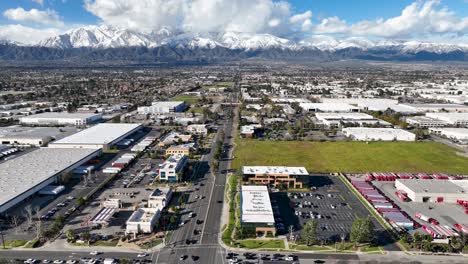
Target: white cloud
(253,16)
(40,2)
(26,35)
(418,19)
(46,17)
(301,17)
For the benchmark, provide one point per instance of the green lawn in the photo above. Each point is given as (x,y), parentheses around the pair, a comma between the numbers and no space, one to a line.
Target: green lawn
(15,243)
(189,99)
(254,244)
(351,156)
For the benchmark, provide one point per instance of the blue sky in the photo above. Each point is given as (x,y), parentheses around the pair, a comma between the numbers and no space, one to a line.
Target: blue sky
(31,20)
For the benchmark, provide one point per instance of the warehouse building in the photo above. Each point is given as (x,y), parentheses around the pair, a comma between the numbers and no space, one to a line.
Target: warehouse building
(425,122)
(454,119)
(378,134)
(456,134)
(101,136)
(183,149)
(256,210)
(274,175)
(61,119)
(27,174)
(328,107)
(339,119)
(434,191)
(163,107)
(441,107)
(32,136)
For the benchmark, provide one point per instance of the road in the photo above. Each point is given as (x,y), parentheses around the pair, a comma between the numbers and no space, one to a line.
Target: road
(208,209)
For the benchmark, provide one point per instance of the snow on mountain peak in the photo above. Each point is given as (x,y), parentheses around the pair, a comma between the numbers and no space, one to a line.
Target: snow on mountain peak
(105,36)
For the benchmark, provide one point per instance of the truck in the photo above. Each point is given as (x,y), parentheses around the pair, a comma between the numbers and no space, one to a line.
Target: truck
(426,218)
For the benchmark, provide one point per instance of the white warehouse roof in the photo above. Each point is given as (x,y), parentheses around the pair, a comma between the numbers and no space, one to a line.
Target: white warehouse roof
(256,205)
(436,186)
(99,134)
(19,175)
(328,107)
(65,115)
(375,134)
(274,170)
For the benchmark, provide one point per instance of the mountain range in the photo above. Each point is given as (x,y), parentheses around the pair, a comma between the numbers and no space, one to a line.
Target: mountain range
(106,43)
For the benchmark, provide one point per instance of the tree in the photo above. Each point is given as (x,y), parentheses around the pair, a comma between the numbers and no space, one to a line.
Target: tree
(70,235)
(362,230)
(86,236)
(309,232)
(80,201)
(172,220)
(28,213)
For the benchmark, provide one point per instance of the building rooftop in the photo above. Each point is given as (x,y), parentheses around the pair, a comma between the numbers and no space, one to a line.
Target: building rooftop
(160,192)
(329,107)
(99,134)
(143,215)
(168,103)
(62,115)
(436,186)
(24,172)
(274,170)
(34,132)
(256,205)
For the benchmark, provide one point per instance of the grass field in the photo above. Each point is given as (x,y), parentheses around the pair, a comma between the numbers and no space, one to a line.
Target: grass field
(254,244)
(351,156)
(189,99)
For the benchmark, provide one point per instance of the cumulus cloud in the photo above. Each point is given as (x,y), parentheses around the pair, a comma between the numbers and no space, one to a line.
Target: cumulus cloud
(417,19)
(253,16)
(46,17)
(26,35)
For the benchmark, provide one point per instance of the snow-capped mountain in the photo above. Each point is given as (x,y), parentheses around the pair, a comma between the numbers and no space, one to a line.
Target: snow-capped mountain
(111,37)
(99,37)
(99,43)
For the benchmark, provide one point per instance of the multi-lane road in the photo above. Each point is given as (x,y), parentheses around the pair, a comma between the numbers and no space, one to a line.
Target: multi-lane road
(206,202)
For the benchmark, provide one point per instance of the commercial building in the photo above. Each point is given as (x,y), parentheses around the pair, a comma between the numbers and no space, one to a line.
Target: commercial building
(160,198)
(163,107)
(101,136)
(454,119)
(328,107)
(197,129)
(183,149)
(274,175)
(456,134)
(256,210)
(339,119)
(434,191)
(61,119)
(143,220)
(249,131)
(425,122)
(172,168)
(32,136)
(441,107)
(27,174)
(378,134)
(174,137)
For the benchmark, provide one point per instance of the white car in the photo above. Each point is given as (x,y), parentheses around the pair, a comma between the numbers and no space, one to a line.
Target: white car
(71,261)
(46,261)
(94,253)
(142,255)
(30,261)
(58,261)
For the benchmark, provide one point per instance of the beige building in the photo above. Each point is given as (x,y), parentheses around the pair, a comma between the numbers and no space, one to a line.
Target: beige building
(274,175)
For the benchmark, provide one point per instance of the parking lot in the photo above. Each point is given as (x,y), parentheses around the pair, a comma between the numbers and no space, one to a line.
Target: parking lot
(329,202)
